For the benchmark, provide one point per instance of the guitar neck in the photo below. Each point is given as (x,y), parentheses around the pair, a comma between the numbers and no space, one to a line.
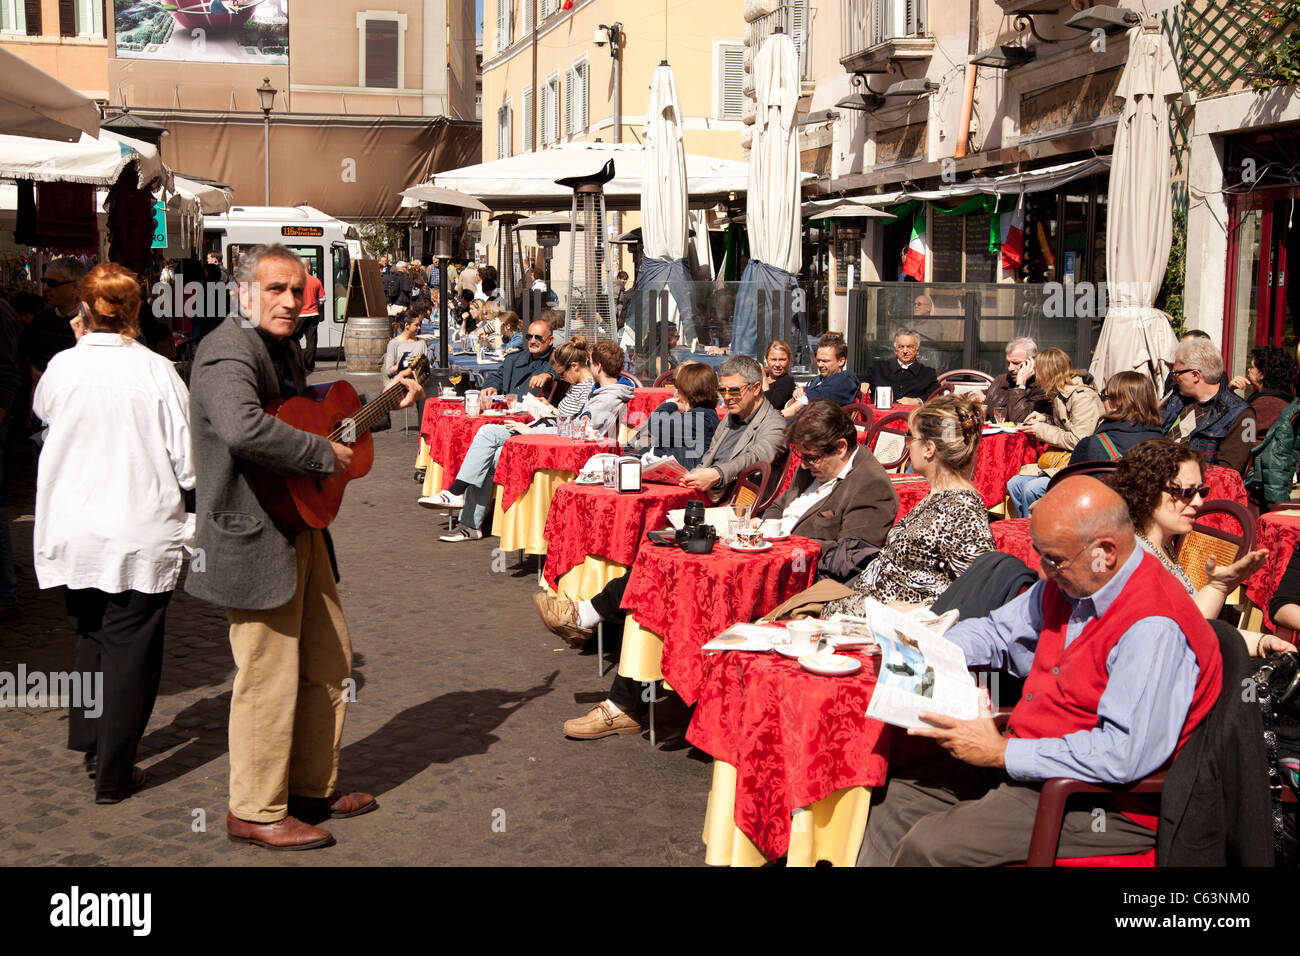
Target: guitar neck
(372,413)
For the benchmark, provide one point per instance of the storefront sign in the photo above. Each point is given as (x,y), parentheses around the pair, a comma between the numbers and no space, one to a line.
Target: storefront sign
(901,144)
(159,226)
(1077,102)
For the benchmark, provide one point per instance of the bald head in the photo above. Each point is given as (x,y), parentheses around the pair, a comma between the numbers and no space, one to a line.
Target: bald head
(1082,530)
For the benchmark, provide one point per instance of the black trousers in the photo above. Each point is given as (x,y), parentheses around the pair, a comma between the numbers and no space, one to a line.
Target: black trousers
(627,694)
(121,637)
(309,327)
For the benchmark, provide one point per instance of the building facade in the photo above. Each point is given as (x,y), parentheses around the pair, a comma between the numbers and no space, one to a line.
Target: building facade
(68,40)
(365,101)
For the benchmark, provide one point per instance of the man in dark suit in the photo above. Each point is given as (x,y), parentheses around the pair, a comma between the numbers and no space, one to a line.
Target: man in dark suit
(912,382)
(287,632)
(840,491)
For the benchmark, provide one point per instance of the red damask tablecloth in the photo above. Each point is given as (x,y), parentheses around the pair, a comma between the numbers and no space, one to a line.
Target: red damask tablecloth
(688,599)
(1011,536)
(793,737)
(524,454)
(589,519)
(451,435)
(998,459)
(1278,532)
(910,490)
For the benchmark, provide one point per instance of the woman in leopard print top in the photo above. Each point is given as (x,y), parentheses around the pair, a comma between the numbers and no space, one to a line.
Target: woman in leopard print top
(938,539)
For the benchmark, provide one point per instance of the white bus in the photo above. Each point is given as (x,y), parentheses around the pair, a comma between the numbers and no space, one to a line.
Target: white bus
(329,244)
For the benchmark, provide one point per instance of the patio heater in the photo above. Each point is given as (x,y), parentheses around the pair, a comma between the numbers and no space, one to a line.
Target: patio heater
(444,220)
(591,293)
(507,247)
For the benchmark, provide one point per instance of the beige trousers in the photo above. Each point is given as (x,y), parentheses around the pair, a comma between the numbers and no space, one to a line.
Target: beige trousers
(287,709)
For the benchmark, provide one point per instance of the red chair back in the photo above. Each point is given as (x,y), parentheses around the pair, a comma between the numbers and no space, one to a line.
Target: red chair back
(966,375)
(1102,470)
(782,472)
(667,378)
(874,432)
(861,413)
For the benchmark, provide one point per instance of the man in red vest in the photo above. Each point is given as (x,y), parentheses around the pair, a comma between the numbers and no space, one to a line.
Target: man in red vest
(1120,668)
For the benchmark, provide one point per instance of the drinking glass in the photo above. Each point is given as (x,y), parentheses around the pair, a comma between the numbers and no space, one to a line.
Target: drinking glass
(741,517)
(610,469)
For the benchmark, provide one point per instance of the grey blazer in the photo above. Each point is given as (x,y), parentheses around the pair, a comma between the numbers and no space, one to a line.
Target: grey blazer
(243,560)
(763,440)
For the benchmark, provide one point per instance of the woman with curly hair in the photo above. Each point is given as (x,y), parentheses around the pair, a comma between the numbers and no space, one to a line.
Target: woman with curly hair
(1163,484)
(1269,383)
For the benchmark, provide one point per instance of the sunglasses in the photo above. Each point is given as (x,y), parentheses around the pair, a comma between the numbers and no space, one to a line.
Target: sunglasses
(535,338)
(734,392)
(1184,371)
(55,283)
(1187,494)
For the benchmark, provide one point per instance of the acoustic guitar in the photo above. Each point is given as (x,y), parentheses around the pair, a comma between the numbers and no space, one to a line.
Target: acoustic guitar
(298,503)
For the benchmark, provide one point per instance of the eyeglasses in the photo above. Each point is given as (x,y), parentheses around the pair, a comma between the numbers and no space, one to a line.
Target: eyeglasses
(55,283)
(735,392)
(1184,371)
(1187,494)
(1058,566)
(535,338)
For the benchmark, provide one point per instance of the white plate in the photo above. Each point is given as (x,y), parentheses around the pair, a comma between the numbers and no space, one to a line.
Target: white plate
(588,481)
(786,650)
(834,665)
(744,550)
(992,430)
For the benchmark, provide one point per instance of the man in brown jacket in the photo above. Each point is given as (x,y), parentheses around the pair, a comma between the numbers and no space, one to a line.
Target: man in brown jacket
(1015,394)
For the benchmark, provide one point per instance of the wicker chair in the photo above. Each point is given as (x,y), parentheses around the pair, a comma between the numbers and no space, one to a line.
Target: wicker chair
(750,484)
(1202,541)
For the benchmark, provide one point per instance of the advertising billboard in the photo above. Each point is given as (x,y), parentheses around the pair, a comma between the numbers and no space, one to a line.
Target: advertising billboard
(203,31)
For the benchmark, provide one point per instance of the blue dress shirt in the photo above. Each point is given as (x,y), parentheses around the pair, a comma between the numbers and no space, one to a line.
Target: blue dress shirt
(841,388)
(1152,674)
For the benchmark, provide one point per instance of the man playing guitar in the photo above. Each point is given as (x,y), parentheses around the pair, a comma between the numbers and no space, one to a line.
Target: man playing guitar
(287,632)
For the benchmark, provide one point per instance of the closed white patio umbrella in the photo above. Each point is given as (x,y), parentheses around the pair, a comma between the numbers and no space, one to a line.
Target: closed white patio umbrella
(773,207)
(1139,225)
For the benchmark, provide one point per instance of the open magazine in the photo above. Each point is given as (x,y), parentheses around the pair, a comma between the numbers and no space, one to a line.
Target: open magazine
(921,671)
(665,470)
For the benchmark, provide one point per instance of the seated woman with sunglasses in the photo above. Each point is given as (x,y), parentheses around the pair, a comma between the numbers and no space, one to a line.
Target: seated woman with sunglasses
(1163,484)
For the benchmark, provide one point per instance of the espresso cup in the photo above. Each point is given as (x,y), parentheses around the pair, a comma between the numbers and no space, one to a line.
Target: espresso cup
(804,635)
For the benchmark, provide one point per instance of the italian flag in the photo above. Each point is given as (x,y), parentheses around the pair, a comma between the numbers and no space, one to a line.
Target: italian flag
(917,250)
(1013,238)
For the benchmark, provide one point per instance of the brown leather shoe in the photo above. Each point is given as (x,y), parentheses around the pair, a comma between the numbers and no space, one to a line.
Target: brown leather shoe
(287,834)
(560,615)
(601,721)
(337,805)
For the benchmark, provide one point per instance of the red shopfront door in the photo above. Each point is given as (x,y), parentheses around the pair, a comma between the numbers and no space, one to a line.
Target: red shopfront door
(1262,307)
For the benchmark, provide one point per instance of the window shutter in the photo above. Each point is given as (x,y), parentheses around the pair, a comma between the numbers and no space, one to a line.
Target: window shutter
(580,95)
(527,121)
(528,15)
(32,8)
(546,114)
(880,21)
(568,100)
(108,15)
(67,18)
(797,27)
(731,74)
(501,26)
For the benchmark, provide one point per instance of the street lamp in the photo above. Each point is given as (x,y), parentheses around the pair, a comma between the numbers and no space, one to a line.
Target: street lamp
(266,93)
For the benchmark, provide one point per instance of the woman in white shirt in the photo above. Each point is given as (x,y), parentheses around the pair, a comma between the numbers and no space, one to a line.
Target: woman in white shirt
(111,525)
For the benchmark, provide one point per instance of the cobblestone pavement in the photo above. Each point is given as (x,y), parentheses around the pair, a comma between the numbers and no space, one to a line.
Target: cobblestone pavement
(460,696)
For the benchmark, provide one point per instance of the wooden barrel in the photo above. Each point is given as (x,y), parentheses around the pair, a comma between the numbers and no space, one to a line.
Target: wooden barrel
(364,342)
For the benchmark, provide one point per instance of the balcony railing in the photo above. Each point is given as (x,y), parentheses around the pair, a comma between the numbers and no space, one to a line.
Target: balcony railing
(868,23)
(795,19)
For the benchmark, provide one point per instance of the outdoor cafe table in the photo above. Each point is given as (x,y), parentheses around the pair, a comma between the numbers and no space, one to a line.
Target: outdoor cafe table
(998,459)
(795,758)
(1279,533)
(449,437)
(593,534)
(529,471)
(677,602)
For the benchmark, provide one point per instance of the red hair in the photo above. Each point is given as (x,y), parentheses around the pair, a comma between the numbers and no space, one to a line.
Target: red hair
(112,294)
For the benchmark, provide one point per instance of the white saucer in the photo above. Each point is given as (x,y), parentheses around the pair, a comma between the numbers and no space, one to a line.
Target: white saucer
(588,481)
(744,550)
(834,665)
(785,651)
